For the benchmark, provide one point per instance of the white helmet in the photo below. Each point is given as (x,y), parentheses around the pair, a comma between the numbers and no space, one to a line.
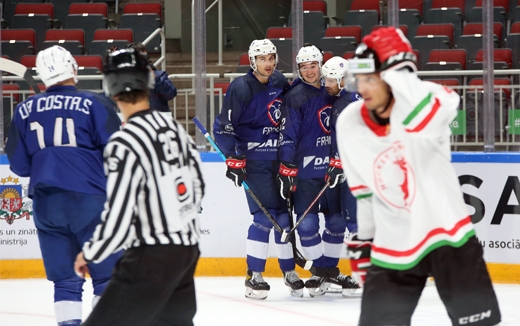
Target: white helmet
(308,53)
(335,67)
(55,64)
(261,47)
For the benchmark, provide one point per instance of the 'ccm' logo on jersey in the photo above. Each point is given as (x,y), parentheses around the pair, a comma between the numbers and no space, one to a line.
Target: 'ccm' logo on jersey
(474,318)
(274,111)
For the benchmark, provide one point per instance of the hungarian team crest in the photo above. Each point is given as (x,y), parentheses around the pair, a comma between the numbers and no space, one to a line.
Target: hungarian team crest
(394,177)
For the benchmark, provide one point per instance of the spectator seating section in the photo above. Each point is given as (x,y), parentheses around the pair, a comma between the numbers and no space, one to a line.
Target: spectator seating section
(71,39)
(436,30)
(143,18)
(315,5)
(327,55)
(314,25)
(446,16)
(359,5)
(471,43)
(106,39)
(89,23)
(499,55)
(478,28)
(18,42)
(61,8)
(410,18)
(38,16)
(451,55)
(403,29)
(364,18)
(279,32)
(243,63)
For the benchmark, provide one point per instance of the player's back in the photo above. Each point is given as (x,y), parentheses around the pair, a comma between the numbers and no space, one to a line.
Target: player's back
(58,139)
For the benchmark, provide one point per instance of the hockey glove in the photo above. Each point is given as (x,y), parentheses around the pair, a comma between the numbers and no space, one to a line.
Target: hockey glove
(236,169)
(287,178)
(335,173)
(392,48)
(358,251)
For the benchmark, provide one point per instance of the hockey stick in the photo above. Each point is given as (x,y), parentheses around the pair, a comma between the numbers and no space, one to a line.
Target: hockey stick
(285,234)
(19,70)
(298,257)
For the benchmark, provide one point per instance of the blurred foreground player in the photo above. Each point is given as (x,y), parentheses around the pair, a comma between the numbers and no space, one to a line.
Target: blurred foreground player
(57,139)
(154,192)
(395,149)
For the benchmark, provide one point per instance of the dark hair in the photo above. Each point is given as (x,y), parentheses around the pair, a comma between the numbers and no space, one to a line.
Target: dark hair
(138,46)
(132,97)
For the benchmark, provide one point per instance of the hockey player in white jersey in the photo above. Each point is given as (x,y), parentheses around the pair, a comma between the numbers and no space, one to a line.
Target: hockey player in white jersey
(412,220)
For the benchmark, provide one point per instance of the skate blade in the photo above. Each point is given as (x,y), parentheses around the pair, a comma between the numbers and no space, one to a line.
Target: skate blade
(430,281)
(349,293)
(316,292)
(256,294)
(296,293)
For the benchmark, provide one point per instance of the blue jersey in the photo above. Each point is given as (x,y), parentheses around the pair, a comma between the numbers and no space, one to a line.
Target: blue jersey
(305,134)
(248,123)
(345,98)
(57,139)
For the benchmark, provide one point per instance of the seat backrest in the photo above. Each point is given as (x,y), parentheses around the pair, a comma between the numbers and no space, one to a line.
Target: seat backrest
(279,32)
(515,28)
(315,5)
(327,55)
(244,60)
(19,35)
(436,30)
(505,55)
(354,31)
(65,34)
(496,3)
(35,8)
(143,8)
(114,34)
(411,4)
(224,86)
(366,5)
(452,55)
(403,28)
(7,90)
(478,28)
(496,82)
(449,4)
(28,60)
(90,61)
(348,55)
(88,8)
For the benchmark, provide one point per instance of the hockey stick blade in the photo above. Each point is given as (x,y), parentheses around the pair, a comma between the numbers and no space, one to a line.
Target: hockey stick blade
(19,70)
(298,257)
(286,235)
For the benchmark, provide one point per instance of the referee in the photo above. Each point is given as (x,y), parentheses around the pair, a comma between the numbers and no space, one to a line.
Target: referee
(154,192)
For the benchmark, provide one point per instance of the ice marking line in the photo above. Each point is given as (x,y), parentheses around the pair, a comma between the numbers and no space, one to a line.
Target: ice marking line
(24,314)
(297,313)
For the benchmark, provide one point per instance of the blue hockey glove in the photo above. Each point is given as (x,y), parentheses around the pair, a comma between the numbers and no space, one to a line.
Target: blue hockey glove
(335,173)
(287,178)
(236,169)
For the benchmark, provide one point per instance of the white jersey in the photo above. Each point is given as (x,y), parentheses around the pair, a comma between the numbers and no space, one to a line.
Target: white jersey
(409,198)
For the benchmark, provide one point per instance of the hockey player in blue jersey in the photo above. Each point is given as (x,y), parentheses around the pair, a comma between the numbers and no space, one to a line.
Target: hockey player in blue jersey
(247,131)
(333,72)
(57,139)
(305,145)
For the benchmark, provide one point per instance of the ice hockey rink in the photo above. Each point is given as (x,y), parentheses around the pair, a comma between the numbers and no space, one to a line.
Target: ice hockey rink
(221,301)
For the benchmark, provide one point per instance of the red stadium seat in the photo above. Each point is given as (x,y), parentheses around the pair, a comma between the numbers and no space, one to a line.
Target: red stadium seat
(114,34)
(143,8)
(65,35)
(244,60)
(515,28)
(403,28)
(327,55)
(496,82)
(315,5)
(8,89)
(411,4)
(28,60)
(496,3)
(35,8)
(366,5)
(436,30)
(100,8)
(504,55)
(19,35)
(478,28)
(279,32)
(452,55)
(223,86)
(348,55)
(448,4)
(354,31)
(90,61)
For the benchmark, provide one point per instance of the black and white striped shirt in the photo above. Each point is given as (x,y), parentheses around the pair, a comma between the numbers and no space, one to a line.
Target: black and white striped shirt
(154,187)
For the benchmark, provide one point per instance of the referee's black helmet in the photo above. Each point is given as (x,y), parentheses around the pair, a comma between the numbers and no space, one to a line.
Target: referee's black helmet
(126,70)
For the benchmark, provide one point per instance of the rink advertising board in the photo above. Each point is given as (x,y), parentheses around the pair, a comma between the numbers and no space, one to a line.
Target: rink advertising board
(490,184)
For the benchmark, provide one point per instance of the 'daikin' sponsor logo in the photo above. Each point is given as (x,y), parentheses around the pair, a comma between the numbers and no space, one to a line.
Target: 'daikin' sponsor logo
(12,204)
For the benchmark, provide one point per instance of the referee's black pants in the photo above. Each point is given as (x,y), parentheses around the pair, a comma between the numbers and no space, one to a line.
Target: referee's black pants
(150,286)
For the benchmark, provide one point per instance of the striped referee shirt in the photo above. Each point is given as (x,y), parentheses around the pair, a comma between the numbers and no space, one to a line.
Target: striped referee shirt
(154,187)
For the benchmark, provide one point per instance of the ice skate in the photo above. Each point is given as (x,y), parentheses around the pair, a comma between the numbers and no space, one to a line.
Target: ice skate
(430,281)
(316,285)
(294,283)
(256,287)
(349,287)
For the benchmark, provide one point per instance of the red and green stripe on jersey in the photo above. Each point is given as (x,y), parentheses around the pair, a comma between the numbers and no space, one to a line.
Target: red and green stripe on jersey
(406,259)
(422,114)
(360,192)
